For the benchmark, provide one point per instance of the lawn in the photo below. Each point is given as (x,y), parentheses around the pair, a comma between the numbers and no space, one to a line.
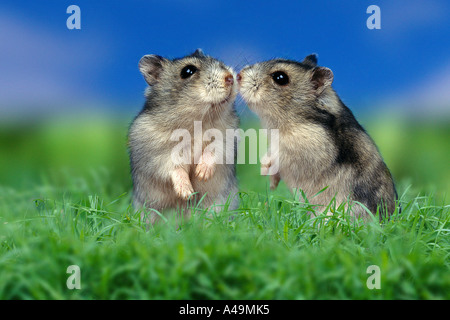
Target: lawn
(65,194)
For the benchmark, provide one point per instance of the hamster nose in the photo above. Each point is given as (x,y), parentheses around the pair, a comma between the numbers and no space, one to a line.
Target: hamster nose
(239,77)
(229,79)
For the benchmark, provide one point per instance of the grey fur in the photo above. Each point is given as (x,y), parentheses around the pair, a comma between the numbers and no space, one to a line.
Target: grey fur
(175,103)
(321,143)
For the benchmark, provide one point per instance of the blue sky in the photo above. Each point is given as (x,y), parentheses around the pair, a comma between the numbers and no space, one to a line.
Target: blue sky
(45,67)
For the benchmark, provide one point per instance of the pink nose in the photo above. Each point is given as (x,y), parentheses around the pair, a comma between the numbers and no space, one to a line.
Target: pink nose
(229,79)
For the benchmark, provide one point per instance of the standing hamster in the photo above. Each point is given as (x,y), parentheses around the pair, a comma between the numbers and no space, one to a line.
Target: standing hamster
(196,91)
(321,144)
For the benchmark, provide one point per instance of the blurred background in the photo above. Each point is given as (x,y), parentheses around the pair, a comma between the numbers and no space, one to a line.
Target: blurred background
(67,97)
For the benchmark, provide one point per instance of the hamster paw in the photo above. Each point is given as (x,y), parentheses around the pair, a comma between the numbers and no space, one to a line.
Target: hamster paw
(269,166)
(206,167)
(184,190)
(181,184)
(264,170)
(265,165)
(204,171)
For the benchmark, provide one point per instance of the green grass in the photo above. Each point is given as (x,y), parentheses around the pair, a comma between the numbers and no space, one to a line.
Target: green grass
(65,200)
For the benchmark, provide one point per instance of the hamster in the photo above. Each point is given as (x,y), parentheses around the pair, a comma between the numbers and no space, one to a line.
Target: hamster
(321,144)
(182,91)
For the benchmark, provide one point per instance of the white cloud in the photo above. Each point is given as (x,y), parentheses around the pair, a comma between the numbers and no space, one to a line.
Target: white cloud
(430,96)
(43,67)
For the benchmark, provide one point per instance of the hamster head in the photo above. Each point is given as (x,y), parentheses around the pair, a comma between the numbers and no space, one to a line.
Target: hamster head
(276,87)
(189,83)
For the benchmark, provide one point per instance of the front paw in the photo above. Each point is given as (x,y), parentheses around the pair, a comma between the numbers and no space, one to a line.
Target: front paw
(266,164)
(204,171)
(183,190)
(181,184)
(206,167)
(269,166)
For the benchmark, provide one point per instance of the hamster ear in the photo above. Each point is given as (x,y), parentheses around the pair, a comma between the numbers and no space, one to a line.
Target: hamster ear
(321,78)
(311,60)
(198,53)
(151,66)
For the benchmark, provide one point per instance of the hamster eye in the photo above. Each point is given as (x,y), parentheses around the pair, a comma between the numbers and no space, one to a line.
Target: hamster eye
(188,71)
(280,78)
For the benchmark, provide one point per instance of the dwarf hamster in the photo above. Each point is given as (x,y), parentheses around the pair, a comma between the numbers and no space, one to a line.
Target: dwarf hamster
(321,144)
(195,88)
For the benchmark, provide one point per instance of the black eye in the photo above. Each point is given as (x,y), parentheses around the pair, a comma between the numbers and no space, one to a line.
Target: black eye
(188,71)
(280,78)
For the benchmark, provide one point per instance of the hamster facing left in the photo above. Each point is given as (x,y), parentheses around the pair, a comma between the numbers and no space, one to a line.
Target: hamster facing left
(193,88)
(321,144)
